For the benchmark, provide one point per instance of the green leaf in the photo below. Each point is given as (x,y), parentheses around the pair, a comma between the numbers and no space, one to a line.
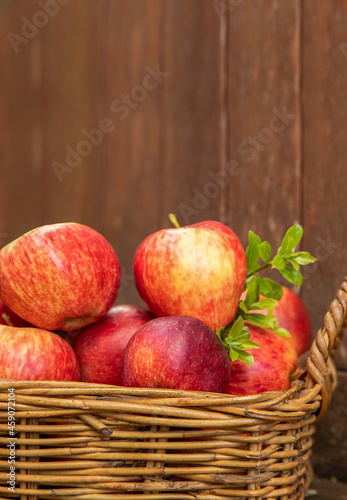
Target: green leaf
(292,275)
(249,344)
(242,308)
(264,285)
(252,253)
(282,332)
(303,258)
(252,291)
(291,239)
(264,304)
(219,334)
(257,319)
(264,250)
(269,288)
(244,356)
(236,341)
(234,355)
(237,327)
(293,262)
(278,262)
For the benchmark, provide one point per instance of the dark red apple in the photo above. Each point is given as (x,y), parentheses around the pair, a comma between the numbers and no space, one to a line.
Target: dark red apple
(60,276)
(100,346)
(14,320)
(176,352)
(198,270)
(292,315)
(35,354)
(274,365)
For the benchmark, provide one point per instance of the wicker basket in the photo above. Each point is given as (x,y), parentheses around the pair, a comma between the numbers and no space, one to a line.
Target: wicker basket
(98,442)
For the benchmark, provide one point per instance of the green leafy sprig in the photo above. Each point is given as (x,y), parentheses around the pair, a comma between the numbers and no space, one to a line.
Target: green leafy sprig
(263,293)
(286,261)
(236,341)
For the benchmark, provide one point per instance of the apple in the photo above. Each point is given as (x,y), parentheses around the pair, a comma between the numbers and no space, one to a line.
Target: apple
(100,347)
(176,352)
(292,315)
(59,276)
(275,364)
(198,270)
(36,354)
(8,317)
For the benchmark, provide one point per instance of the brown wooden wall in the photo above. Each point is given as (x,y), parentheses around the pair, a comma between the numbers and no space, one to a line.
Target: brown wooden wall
(244,122)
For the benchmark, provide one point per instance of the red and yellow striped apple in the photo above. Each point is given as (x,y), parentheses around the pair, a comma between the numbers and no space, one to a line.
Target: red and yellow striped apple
(198,270)
(59,276)
(35,354)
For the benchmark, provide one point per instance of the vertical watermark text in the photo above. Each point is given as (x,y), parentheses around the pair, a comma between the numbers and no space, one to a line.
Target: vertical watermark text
(11,423)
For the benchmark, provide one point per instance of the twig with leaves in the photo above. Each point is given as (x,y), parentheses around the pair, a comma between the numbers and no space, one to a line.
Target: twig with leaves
(263,293)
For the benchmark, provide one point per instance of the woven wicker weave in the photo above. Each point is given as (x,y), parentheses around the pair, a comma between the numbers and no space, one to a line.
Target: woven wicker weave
(90,441)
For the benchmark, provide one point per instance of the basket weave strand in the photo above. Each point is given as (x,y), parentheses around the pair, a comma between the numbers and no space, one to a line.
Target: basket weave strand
(319,363)
(96,442)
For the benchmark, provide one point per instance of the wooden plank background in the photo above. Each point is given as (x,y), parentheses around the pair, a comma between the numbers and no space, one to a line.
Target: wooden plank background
(245,122)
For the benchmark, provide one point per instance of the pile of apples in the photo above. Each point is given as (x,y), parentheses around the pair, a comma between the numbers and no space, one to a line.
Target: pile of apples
(58,285)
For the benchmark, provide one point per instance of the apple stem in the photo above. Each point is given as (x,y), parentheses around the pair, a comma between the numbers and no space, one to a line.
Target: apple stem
(7,319)
(260,268)
(173,221)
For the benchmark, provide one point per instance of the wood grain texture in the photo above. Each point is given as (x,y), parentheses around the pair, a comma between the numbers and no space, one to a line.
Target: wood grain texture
(22,121)
(166,146)
(130,159)
(324,178)
(72,89)
(51,87)
(192,135)
(264,117)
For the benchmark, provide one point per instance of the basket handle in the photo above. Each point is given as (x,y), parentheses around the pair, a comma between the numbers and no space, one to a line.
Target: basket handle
(328,337)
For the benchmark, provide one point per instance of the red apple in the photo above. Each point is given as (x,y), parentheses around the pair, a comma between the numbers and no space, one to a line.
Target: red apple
(274,365)
(35,354)
(176,352)
(292,315)
(15,320)
(100,346)
(60,276)
(198,270)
